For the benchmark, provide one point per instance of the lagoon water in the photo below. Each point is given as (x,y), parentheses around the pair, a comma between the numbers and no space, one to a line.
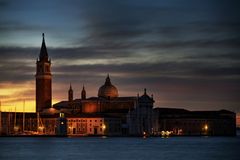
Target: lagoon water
(114,148)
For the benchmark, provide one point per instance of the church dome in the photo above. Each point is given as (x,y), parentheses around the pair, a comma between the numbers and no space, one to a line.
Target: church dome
(108,90)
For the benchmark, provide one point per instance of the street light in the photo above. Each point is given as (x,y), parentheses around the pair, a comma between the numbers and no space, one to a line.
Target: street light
(206,127)
(103,126)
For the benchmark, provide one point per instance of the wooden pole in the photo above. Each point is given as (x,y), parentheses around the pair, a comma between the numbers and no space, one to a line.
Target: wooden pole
(37,121)
(23,115)
(0,118)
(15,121)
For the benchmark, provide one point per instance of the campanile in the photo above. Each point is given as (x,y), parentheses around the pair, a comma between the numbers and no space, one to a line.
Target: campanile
(43,79)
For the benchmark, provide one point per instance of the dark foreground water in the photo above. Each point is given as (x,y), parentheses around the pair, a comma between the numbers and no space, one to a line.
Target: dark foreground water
(84,148)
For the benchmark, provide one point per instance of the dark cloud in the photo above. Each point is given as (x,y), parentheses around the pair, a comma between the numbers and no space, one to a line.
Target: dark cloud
(200,43)
(13,53)
(17,26)
(3,4)
(119,22)
(164,69)
(16,72)
(232,56)
(21,61)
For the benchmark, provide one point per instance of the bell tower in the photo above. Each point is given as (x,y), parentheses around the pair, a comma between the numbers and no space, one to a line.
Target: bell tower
(70,94)
(43,79)
(83,93)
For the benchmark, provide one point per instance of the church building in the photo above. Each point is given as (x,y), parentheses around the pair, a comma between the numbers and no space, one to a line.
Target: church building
(108,113)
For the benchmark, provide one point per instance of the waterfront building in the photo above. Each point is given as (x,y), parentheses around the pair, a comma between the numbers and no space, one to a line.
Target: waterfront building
(83,125)
(141,117)
(194,123)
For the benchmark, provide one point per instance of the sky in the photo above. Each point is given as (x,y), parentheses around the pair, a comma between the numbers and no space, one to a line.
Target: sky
(185,52)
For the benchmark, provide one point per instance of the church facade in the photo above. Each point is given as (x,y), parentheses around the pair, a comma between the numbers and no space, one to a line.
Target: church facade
(108,105)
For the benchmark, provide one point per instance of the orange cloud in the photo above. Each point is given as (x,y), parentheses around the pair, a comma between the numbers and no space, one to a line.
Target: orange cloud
(14,95)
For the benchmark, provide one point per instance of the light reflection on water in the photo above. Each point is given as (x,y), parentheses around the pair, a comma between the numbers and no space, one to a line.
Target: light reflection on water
(183,148)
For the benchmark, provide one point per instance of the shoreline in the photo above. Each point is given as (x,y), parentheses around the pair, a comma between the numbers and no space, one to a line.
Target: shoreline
(104,136)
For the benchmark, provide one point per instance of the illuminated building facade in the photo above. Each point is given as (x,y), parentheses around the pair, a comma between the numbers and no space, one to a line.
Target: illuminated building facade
(93,125)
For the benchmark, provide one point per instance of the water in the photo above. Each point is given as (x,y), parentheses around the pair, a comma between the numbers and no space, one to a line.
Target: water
(90,148)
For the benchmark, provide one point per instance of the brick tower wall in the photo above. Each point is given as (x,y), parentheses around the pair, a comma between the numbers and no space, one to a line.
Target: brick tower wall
(43,93)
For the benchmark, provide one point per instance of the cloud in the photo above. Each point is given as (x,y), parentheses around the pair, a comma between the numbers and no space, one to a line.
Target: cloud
(118,23)
(168,69)
(231,56)
(17,26)
(20,62)
(3,4)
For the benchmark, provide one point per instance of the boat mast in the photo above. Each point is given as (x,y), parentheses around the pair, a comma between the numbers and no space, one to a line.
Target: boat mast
(8,123)
(0,118)
(37,121)
(15,120)
(15,116)
(39,124)
(23,115)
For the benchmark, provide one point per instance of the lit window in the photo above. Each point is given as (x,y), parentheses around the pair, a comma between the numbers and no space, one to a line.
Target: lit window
(62,115)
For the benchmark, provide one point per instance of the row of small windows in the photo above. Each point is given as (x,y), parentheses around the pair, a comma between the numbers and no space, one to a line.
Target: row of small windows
(95,120)
(83,124)
(90,129)
(78,120)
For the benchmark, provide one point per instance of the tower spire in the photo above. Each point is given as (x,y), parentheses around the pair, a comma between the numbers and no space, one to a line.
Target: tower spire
(83,94)
(108,81)
(70,93)
(43,56)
